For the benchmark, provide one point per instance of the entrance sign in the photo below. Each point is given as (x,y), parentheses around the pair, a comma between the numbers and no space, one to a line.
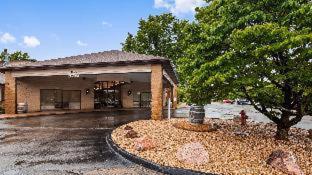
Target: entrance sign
(73,74)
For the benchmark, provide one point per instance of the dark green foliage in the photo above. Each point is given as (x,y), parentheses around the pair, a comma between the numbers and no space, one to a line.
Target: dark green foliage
(260,50)
(158,35)
(18,55)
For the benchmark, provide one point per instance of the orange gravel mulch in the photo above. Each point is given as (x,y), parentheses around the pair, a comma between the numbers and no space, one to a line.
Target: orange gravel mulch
(228,153)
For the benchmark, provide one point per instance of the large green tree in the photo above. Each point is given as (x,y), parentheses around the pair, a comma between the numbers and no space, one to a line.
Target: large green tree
(158,35)
(257,49)
(16,56)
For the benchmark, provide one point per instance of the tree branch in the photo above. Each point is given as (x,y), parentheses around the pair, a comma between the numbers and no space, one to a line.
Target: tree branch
(263,109)
(295,120)
(299,112)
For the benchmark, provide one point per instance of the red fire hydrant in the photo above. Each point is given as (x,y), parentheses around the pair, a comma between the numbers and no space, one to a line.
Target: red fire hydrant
(243,118)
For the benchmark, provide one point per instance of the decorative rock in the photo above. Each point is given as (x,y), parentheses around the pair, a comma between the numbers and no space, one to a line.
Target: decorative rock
(222,146)
(310,134)
(285,162)
(192,153)
(144,143)
(216,126)
(127,127)
(131,134)
(241,134)
(194,127)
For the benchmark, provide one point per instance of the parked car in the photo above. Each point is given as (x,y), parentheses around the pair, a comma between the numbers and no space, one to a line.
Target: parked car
(243,102)
(228,101)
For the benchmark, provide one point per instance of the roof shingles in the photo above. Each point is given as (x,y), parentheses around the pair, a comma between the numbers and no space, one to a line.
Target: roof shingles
(100,58)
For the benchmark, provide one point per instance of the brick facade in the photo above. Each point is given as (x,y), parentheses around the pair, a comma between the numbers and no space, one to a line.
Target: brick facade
(10,94)
(24,80)
(28,89)
(157,91)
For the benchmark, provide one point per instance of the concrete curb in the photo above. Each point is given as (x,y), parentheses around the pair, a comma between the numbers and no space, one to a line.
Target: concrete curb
(148,164)
(40,114)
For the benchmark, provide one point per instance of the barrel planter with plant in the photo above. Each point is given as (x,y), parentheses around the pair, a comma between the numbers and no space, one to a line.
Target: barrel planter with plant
(197,114)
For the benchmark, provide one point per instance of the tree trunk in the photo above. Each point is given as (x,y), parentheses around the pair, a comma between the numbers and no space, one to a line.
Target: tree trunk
(283,127)
(282,132)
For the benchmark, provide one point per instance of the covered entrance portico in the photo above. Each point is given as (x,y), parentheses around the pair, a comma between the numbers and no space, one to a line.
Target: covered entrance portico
(98,86)
(127,90)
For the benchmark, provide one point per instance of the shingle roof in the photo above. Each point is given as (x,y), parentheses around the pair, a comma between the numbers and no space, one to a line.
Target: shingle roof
(93,59)
(100,57)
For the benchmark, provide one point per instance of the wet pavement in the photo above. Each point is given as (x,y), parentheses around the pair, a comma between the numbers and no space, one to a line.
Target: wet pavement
(75,143)
(64,144)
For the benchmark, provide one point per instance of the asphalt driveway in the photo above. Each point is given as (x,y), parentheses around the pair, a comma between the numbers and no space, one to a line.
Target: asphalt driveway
(65,144)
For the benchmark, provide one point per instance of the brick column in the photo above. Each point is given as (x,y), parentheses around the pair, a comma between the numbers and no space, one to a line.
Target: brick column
(10,93)
(157,92)
(175,96)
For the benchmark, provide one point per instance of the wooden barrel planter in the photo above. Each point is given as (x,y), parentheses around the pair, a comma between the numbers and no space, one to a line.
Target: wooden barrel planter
(197,114)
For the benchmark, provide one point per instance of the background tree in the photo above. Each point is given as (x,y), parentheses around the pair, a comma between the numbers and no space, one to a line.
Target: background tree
(158,35)
(260,50)
(18,55)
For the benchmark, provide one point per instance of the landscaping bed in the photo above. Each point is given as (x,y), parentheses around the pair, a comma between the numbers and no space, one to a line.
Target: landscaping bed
(228,151)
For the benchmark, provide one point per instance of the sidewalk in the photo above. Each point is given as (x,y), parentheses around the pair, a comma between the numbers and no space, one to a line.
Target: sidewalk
(35,114)
(61,112)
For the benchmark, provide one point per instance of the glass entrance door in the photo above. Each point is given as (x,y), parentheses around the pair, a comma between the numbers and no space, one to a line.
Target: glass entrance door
(107,94)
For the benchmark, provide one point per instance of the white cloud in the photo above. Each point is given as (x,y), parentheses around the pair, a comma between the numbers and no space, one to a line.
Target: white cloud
(31,41)
(162,4)
(7,38)
(80,43)
(107,24)
(178,7)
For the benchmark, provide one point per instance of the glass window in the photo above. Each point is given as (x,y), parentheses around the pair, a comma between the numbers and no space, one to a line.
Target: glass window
(136,99)
(145,99)
(141,99)
(71,99)
(50,99)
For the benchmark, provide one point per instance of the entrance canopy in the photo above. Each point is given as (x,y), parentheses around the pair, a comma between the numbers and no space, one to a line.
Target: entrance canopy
(90,64)
(91,81)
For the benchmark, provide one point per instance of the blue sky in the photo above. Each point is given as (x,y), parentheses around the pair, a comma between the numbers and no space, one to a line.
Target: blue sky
(57,28)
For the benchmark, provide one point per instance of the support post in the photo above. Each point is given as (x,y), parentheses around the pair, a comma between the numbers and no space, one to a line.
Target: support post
(169,108)
(157,91)
(10,94)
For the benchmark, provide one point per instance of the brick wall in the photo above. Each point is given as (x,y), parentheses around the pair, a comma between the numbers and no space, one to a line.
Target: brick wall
(157,92)
(28,89)
(10,94)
